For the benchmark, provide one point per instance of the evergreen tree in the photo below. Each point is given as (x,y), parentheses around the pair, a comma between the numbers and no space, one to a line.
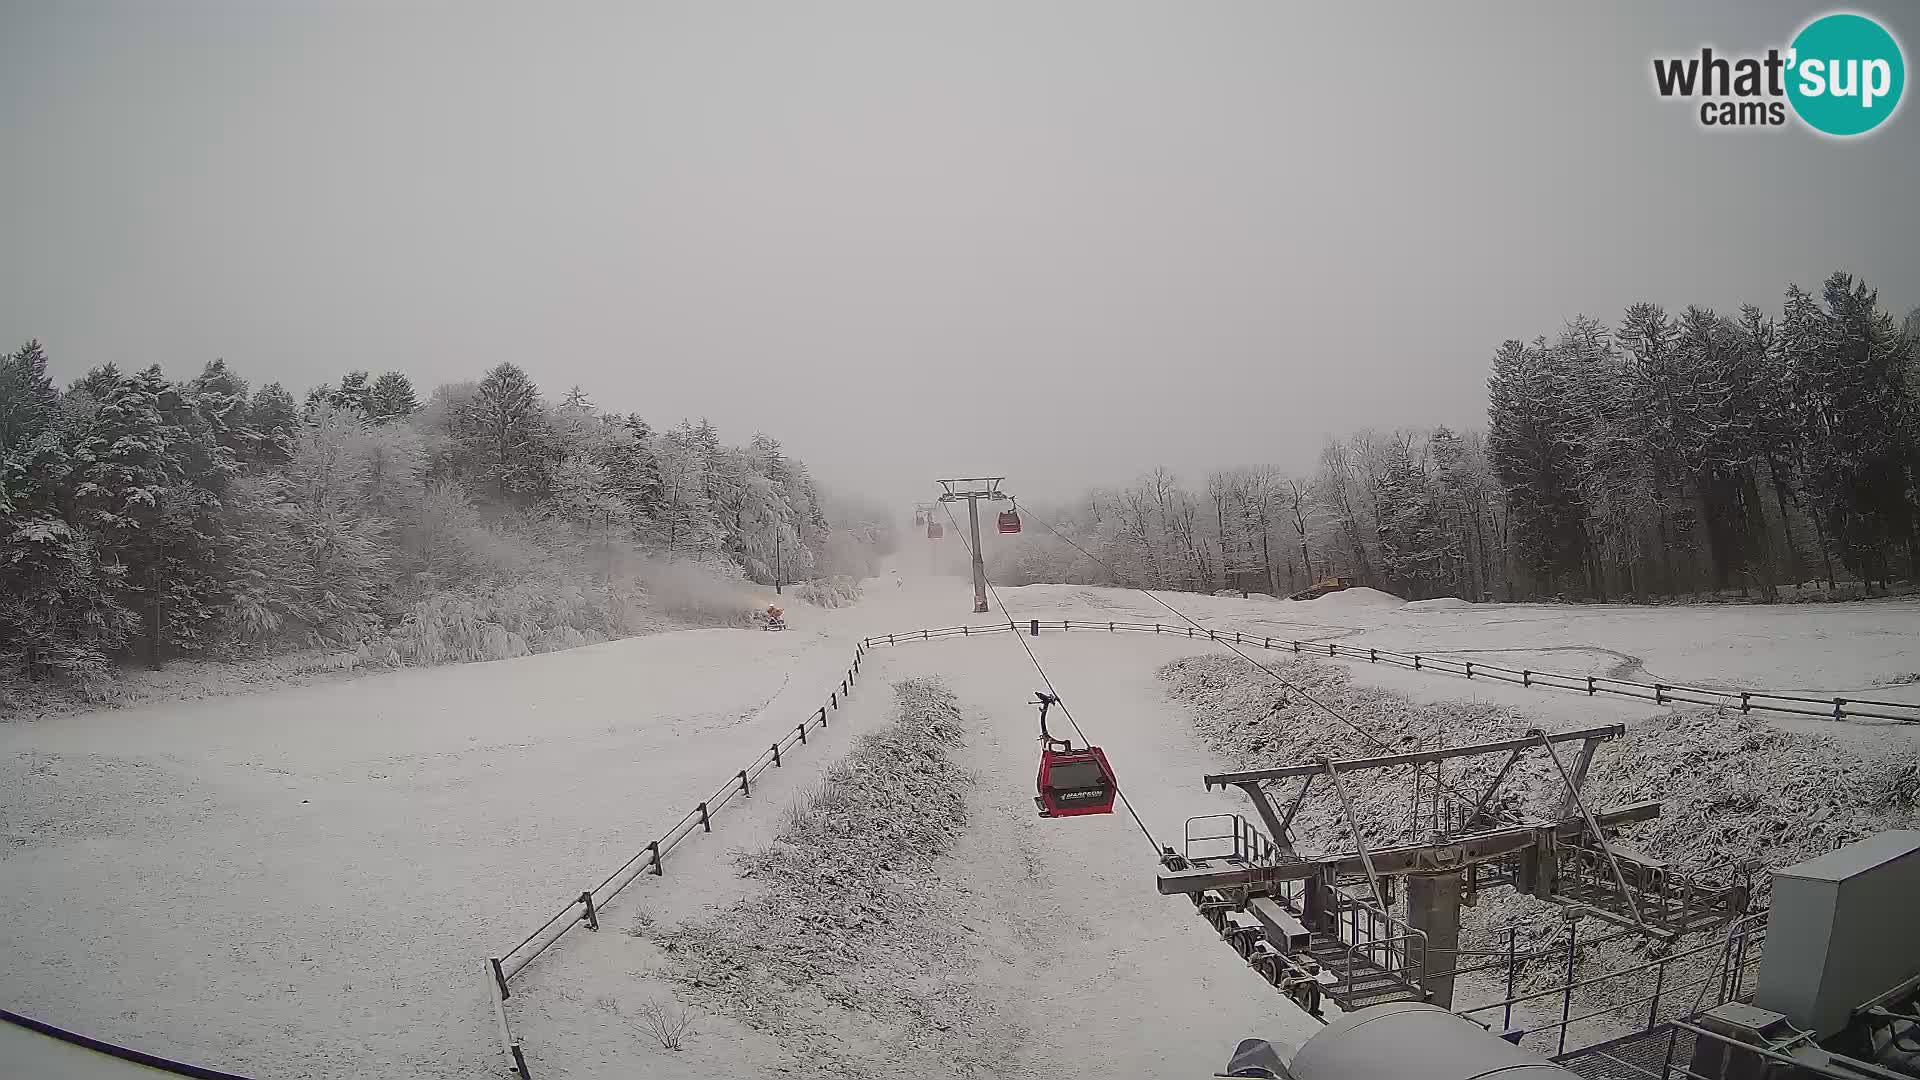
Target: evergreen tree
(220,397)
(505,432)
(27,404)
(275,417)
(391,398)
(1532,432)
(354,394)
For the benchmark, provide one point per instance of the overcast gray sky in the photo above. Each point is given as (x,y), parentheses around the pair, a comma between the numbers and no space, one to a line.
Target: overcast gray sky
(1060,241)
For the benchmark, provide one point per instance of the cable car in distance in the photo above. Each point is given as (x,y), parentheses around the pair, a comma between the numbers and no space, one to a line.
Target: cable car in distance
(1071,783)
(1009,522)
(934,530)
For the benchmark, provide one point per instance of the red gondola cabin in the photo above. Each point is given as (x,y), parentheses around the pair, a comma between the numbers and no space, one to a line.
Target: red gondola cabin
(1071,782)
(1009,522)
(1075,782)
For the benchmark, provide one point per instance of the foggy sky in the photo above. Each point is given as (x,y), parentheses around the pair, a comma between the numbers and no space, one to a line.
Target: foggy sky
(1064,242)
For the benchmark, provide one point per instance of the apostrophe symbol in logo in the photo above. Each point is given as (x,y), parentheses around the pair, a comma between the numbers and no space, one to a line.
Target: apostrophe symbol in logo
(1845,74)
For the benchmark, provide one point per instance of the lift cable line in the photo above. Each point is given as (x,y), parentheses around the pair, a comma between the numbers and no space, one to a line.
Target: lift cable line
(1276,676)
(1062,705)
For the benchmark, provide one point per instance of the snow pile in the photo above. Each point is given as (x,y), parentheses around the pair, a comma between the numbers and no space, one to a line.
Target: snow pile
(1358,598)
(849,921)
(1438,603)
(1735,788)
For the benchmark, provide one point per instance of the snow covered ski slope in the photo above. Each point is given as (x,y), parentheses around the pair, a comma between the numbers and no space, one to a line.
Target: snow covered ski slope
(301,883)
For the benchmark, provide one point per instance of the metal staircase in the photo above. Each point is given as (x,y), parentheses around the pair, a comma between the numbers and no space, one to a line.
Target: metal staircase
(1351,953)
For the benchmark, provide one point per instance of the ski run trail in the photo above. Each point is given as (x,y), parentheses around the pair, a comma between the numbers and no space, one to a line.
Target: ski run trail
(302,883)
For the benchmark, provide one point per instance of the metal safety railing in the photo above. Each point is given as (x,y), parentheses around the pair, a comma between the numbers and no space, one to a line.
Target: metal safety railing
(1708,975)
(585,909)
(1746,701)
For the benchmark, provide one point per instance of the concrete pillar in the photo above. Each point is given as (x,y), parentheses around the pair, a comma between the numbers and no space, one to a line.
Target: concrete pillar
(1433,907)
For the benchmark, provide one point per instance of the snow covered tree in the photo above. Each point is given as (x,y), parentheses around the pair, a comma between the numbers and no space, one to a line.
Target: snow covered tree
(274,416)
(1533,430)
(504,430)
(391,398)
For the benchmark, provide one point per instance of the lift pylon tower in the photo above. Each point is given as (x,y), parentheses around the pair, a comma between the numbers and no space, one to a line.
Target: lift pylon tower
(972,489)
(1320,925)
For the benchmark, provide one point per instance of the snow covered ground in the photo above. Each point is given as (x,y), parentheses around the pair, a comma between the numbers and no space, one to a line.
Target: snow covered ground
(301,883)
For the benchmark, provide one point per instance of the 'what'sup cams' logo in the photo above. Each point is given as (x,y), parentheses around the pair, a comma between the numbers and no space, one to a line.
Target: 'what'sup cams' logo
(1842,76)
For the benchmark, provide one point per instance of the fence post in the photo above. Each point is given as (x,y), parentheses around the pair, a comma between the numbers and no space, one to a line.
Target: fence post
(1526,677)
(655,849)
(833,699)
(1659,694)
(1746,704)
(1373,656)
(823,716)
(744,790)
(1469,669)
(1296,648)
(1839,708)
(593,918)
(499,978)
(1330,649)
(1036,628)
(1268,644)
(776,756)
(966,631)
(1590,687)
(706,823)
(802,729)
(1416,661)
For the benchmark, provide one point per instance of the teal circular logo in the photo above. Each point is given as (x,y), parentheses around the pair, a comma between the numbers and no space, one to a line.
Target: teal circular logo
(1846,74)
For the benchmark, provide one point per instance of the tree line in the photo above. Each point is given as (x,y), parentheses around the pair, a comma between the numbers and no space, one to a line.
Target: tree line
(1666,456)
(150,517)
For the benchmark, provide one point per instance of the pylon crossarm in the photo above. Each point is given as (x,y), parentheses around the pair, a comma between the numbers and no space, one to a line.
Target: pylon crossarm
(1480,805)
(1593,828)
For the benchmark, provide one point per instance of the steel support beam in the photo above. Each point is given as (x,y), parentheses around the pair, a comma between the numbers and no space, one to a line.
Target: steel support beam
(1394,861)
(1422,757)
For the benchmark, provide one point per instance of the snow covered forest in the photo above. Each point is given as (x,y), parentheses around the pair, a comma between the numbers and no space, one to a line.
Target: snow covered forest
(150,518)
(1664,457)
